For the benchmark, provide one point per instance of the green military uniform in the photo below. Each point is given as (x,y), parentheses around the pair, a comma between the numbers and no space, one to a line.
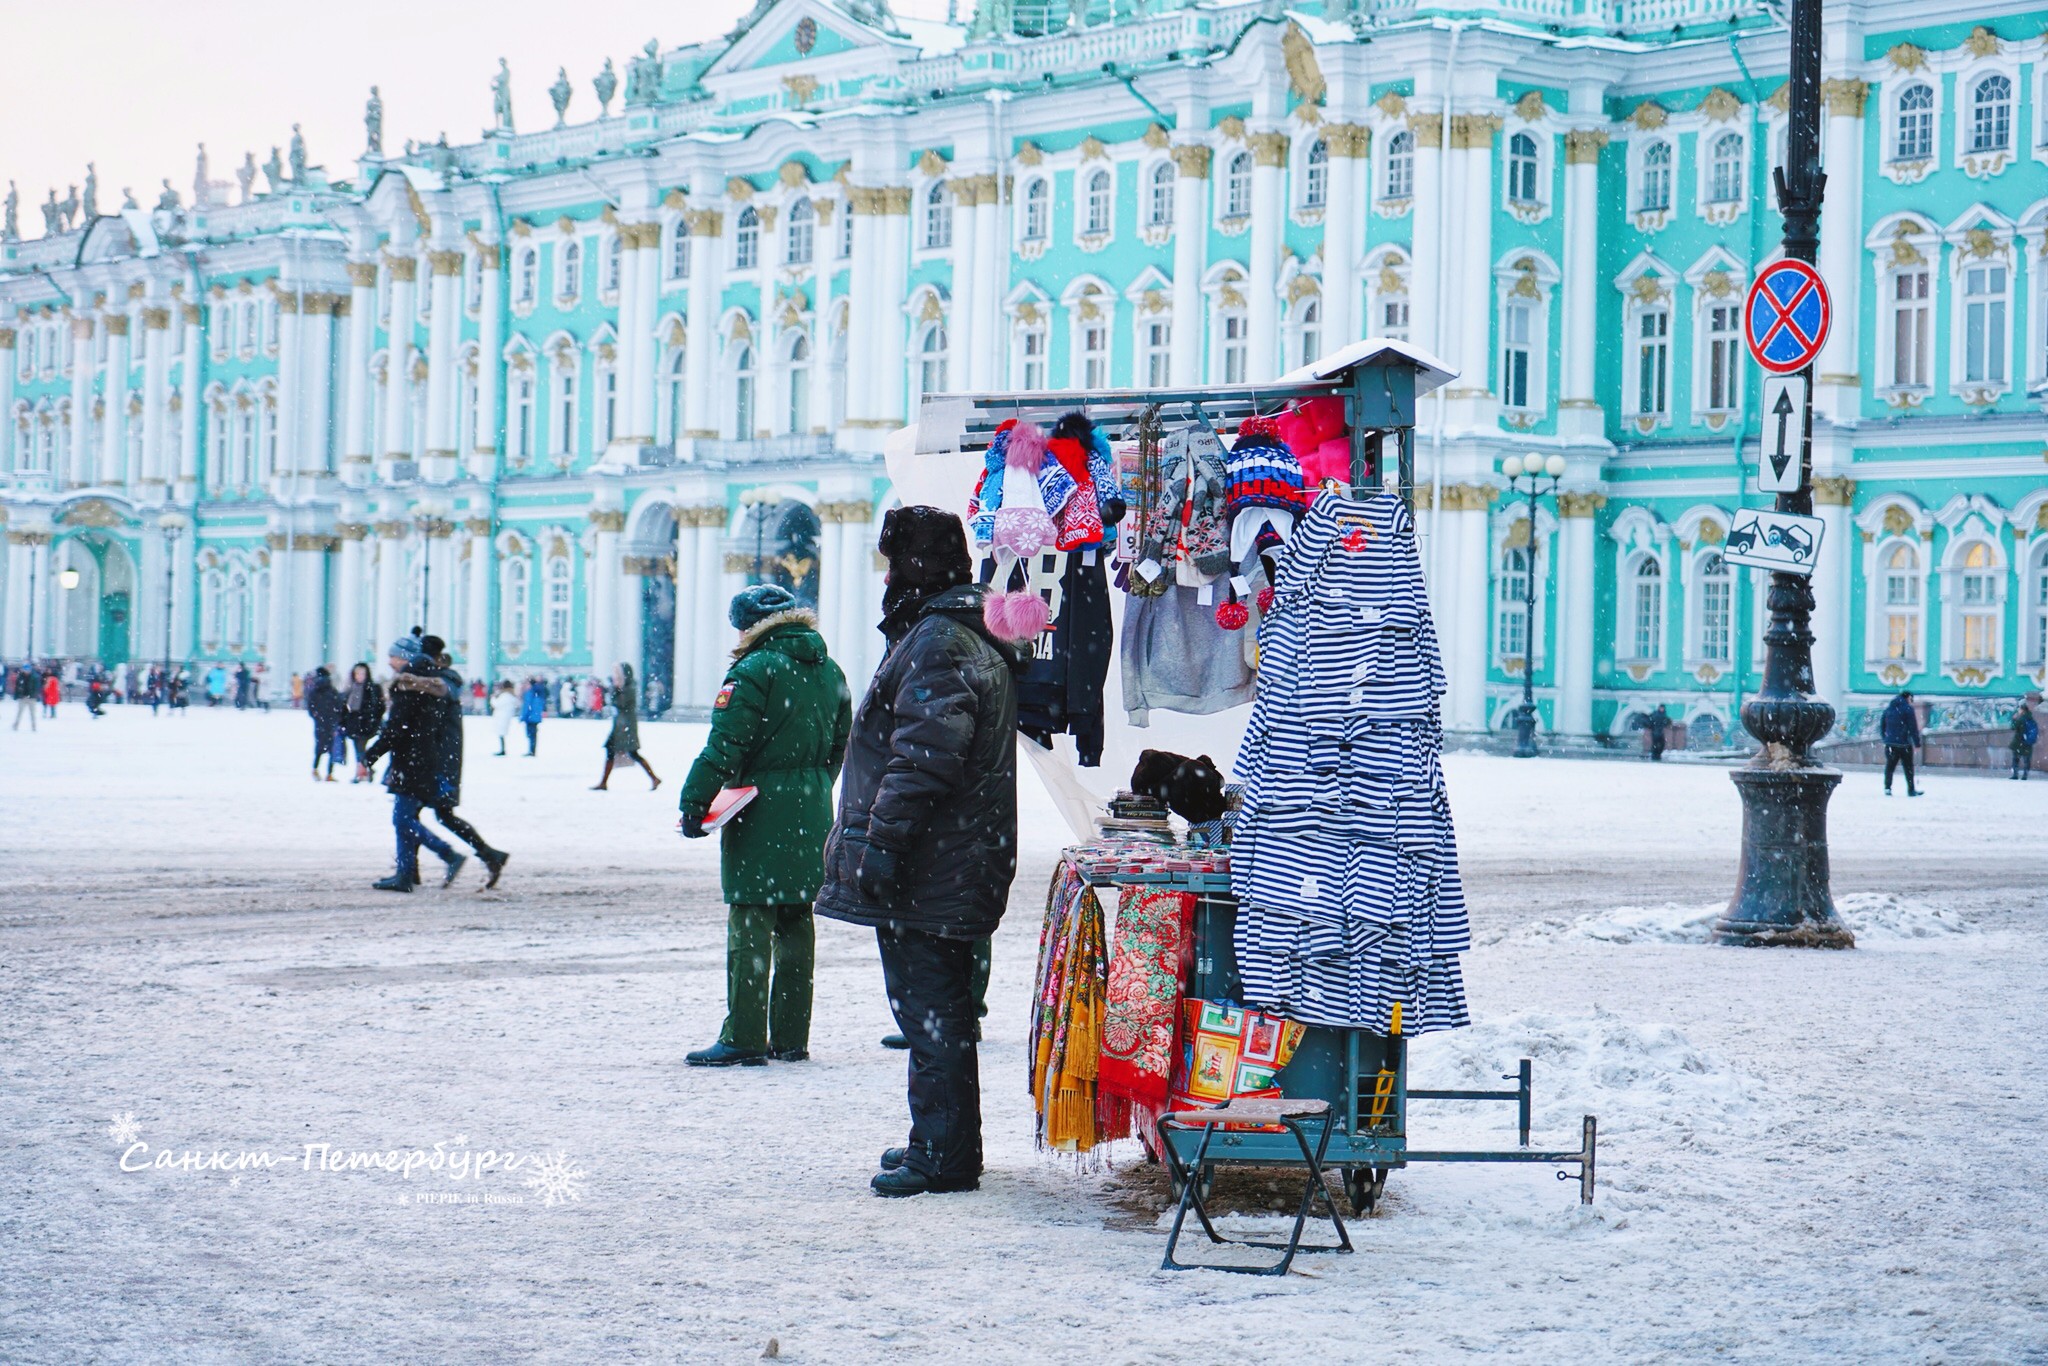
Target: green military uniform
(780,724)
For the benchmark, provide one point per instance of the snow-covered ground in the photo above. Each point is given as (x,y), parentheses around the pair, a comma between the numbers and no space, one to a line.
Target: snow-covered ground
(1805,1156)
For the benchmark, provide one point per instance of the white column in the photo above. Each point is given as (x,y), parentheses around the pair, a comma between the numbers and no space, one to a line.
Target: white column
(353,578)
(606,524)
(114,427)
(646,261)
(865,288)
(316,385)
(21,549)
(1190,241)
(444,325)
(397,371)
(482,656)
(862,642)
(1832,627)
(1472,306)
(1837,384)
(1464,635)
(1575,612)
(1343,215)
(277,642)
(707,273)
(1269,216)
(307,644)
(490,368)
(821,318)
(712,639)
(1579,415)
(831,574)
(689,686)
(192,403)
(967,300)
(390,617)
(82,453)
(985,345)
(1428,244)
(358,442)
(36,577)
(289,407)
(890,338)
(10,451)
(156,380)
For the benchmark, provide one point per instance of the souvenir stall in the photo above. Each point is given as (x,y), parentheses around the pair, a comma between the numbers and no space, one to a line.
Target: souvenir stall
(1273,953)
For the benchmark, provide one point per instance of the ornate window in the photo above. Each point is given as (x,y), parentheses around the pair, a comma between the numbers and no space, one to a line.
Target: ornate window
(1912,322)
(798,245)
(1517,335)
(746,239)
(938,217)
(743,392)
(931,360)
(1724,173)
(614,263)
(1985,285)
(1522,165)
(1721,356)
(675,395)
(1037,211)
(526,276)
(235,611)
(1400,176)
(679,251)
(1977,626)
(1913,136)
(1652,378)
(473,281)
(569,272)
(512,600)
(561,589)
(1511,606)
(1315,178)
(845,232)
(1091,354)
(1237,186)
(1900,608)
(1033,362)
(1155,351)
(1991,115)
(269,434)
(1645,583)
(607,405)
(520,417)
(565,407)
(1099,200)
(1653,191)
(2035,628)
(1308,324)
(797,358)
(211,606)
(1159,196)
(1714,619)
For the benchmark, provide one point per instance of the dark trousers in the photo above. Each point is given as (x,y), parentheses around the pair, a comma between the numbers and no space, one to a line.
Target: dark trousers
(462,830)
(769,955)
(405,819)
(1894,755)
(532,737)
(930,984)
(2022,762)
(327,744)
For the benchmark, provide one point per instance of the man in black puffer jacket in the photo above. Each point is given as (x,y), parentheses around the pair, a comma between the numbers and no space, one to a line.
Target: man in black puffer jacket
(415,735)
(925,846)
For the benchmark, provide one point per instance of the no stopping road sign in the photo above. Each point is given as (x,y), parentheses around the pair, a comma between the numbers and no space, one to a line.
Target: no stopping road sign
(1785,318)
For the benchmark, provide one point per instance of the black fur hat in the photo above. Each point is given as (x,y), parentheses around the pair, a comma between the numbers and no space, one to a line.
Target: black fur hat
(926,548)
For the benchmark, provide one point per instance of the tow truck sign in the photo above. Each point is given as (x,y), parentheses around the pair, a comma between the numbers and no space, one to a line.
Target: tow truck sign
(1782,541)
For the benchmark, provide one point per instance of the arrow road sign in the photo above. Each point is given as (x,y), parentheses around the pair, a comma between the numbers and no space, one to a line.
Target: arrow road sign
(1784,432)
(1783,541)
(1785,318)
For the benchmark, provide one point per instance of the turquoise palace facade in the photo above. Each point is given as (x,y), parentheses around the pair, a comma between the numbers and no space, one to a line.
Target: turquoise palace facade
(558,393)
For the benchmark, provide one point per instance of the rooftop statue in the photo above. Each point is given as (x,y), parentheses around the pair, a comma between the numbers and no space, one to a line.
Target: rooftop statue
(69,206)
(501,96)
(10,226)
(560,94)
(202,190)
(168,201)
(128,199)
(643,75)
(373,124)
(606,85)
(53,215)
(92,192)
(298,155)
(273,173)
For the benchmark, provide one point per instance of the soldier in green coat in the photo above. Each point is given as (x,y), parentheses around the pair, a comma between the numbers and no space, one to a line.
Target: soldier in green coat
(779,724)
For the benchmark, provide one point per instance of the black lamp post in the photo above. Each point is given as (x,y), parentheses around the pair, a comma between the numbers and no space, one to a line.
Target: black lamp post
(32,548)
(1782,897)
(171,533)
(1530,475)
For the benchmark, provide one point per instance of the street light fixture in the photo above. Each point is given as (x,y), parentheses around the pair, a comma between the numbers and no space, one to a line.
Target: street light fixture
(172,531)
(1530,474)
(69,578)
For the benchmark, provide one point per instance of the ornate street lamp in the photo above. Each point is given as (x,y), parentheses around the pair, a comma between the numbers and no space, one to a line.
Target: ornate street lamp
(172,530)
(1781,896)
(1530,475)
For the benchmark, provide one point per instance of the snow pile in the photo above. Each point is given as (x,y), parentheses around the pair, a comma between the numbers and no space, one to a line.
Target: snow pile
(1875,917)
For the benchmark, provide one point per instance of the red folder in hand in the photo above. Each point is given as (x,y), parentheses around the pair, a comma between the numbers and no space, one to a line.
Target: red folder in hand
(729,802)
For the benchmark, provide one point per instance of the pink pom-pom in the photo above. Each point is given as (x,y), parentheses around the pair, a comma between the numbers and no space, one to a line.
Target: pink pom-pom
(1016,616)
(1266,596)
(1232,616)
(1027,447)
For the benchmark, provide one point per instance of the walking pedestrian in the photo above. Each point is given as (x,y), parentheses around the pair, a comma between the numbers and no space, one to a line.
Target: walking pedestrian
(448,715)
(624,738)
(245,686)
(216,685)
(412,736)
(95,692)
(327,707)
(181,690)
(28,687)
(1659,726)
(362,715)
(504,711)
(533,709)
(53,693)
(2025,732)
(778,725)
(1899,727)
(925,846)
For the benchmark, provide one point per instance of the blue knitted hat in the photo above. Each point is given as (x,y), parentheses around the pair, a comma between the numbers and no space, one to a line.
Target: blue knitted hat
(752,606)
(407,648)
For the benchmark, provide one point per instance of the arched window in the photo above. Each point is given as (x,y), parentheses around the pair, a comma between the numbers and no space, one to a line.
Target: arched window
(569,272)
(1914,139)
(1155,347)
(931,360)
(473,281)
(1716,588)
(512,601)
(679,251)
(521,416)
(1980,603)
(1400,166)
(1646,608)
(1991,115)
(2035,629)
(938,217)
(1091,354)
(1037,211)
(565,407)
(217,475)
(676,388)
(561,591)
(1522,168)
(799,362)
(1653,362)
(245,446)
(1724,170)
(614,251)
(1721,345)
(251,324)
(1902,602)
(1912,317)
(1655,195)
(211,606)
(1984,329)
(607,406)
(743,392)
(1032,356)
(1237,186)
(1315,178)
(1159,196)
(526,276)
(1309,320)
(235,611)
(269,435)
(1234,345)
(1517,340)
(746,240)
(845,231)
(1099,184)
(800,241)
(1511,606)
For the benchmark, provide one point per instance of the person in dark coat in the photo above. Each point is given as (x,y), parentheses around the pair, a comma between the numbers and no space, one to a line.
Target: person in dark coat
(362,715)
(448,717)
(926,842)
(779,725)
(624,740)
(415,737)
(327,707)
(1658,724)
(2026,731)
(1899,727)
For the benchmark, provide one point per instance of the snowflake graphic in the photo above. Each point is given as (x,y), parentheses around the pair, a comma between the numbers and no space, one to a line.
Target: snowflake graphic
(125,1130)
(235,1180)
(557,1179)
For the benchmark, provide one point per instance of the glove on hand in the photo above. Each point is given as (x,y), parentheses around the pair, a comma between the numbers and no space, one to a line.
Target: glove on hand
(691,826)
(879,877)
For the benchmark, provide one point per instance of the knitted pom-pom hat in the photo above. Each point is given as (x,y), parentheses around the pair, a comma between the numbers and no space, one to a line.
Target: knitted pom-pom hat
(1261,471)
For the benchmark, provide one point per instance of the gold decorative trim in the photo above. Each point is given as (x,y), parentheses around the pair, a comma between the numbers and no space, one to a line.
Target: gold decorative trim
(1192,160)
(1720,106)
(1530,107)
(1844,99)
(1268,149)
(1834,490)
(1474,130)
(1649,115)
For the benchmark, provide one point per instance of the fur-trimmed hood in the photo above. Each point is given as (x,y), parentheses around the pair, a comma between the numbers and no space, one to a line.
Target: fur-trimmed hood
(431,684)
(797,616)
